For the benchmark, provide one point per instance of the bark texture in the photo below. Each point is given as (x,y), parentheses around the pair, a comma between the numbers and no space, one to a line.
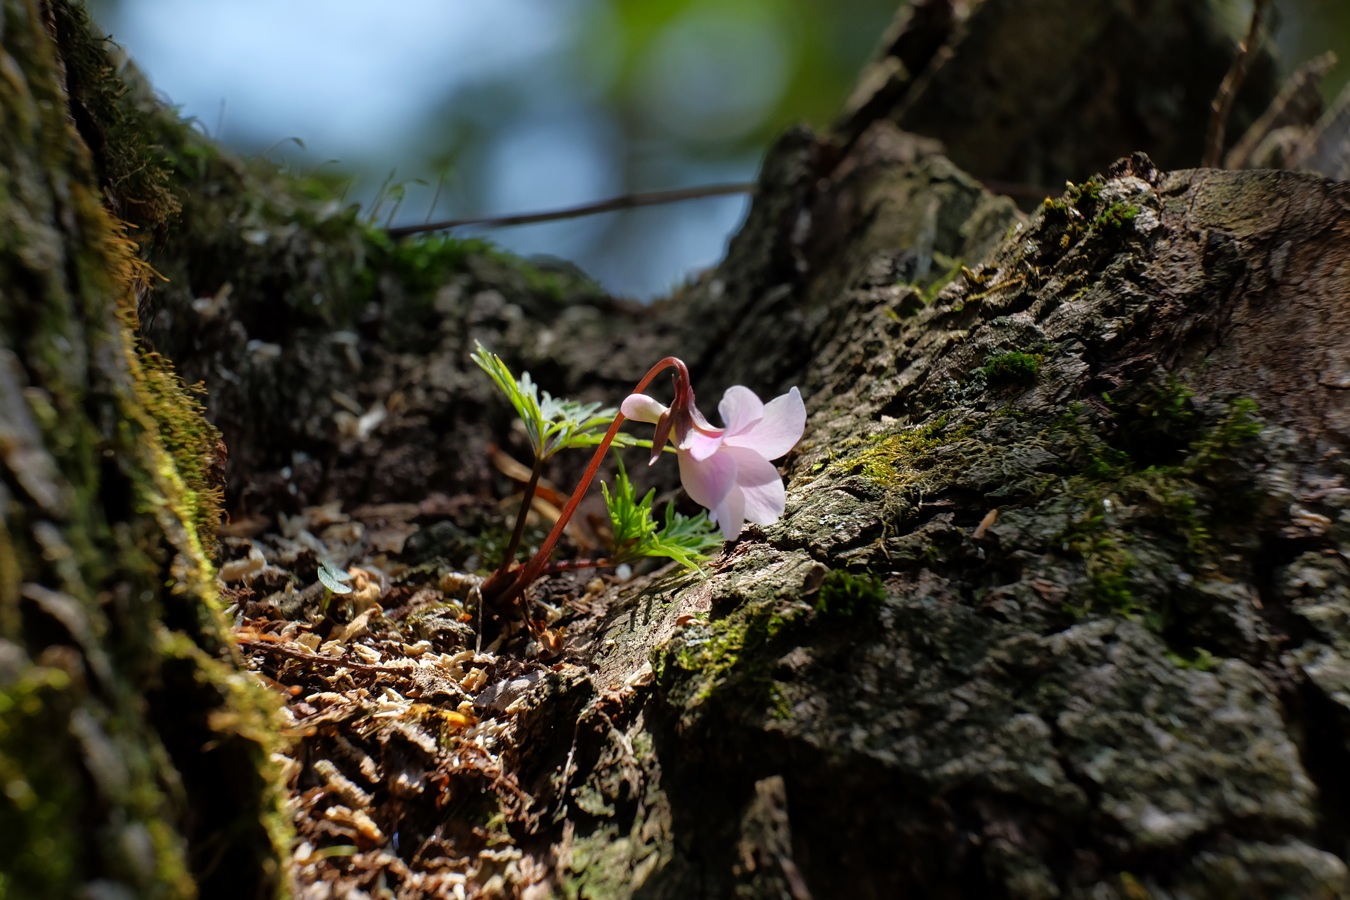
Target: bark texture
(1060,606)
(133,752)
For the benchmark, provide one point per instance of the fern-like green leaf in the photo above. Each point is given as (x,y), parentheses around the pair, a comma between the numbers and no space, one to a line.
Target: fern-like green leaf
(688,540)
(551,423)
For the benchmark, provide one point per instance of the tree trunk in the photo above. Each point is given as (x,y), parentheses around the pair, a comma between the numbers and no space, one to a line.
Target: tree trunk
(1060,606)
(133,753)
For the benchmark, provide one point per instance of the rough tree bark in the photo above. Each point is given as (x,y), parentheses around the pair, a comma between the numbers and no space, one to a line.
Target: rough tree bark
(1061,602)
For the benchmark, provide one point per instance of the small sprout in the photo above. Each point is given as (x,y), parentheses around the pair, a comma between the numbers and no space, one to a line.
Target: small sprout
(334,579)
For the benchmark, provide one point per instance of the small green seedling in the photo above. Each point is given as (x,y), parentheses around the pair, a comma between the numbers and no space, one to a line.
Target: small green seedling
(334,581)
(685,539)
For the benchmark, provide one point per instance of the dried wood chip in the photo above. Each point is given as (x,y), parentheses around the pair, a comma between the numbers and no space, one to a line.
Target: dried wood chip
(368,654)
(340,785)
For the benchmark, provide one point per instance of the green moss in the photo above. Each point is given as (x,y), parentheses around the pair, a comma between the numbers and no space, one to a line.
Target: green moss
(549,285)
(845,595)
(132,168)
(1122,496)
(905,458)
(720,651)
(1013,369)
(40,806)
(1075,196)
(424,262)
(780,707)
(1116,216)
(189,439)
(730,656)
(1080,211)
(1199,659)
(145,678)
(1108,567)
(1154,422)
(1235,432)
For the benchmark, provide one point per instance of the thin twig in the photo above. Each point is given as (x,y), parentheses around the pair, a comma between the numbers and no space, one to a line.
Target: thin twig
(648,198)
(1222,105)
(573,565)
(627,201)
(317,659)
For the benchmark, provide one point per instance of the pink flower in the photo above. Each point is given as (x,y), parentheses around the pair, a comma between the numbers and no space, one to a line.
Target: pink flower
(728,470)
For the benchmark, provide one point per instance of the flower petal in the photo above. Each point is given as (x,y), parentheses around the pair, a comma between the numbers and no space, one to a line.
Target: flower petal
(758,480)
(730,514)
(701,446)
(707,481)
(740,409)
(642,408)
(778,431)
(764,504)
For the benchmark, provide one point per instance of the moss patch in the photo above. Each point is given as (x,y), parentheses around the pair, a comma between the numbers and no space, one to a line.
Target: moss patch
(907,457)
(1082,210)
(1125,502)
(1013,369)
(846,595)
(112,638)
(715,651)
(1116,216)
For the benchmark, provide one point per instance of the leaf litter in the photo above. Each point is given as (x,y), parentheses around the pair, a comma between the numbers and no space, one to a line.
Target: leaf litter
(406,724)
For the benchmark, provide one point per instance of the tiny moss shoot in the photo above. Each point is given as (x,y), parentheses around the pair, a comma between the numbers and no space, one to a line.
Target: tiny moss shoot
(1013,369)
(845,595)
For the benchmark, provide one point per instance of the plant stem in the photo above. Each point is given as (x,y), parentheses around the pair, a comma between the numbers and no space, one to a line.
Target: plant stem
(572,565)
(535,566)
(510,555)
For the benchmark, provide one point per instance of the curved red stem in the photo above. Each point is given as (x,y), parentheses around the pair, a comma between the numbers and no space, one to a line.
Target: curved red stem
(532,569)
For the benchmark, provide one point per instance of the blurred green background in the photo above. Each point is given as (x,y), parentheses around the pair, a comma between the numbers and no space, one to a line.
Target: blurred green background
(431,109)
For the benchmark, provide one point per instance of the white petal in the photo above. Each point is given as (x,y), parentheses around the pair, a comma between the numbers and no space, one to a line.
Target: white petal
(700,446)
(764,497)
(740,409)
(778,431)
(730,514)
(642,408)
(707,481)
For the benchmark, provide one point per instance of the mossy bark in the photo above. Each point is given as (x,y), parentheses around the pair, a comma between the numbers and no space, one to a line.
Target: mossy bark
(1058,607)
(133,754)
(1093,651)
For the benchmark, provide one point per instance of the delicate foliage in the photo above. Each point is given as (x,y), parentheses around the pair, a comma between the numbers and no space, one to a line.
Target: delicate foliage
(685,539)
(334,578)
(552,424)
